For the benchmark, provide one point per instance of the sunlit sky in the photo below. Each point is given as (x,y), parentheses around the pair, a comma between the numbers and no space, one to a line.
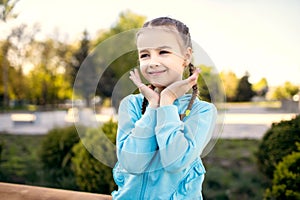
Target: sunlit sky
(261,37)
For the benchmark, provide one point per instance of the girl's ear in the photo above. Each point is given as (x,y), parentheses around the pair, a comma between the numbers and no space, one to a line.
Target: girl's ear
(188,55)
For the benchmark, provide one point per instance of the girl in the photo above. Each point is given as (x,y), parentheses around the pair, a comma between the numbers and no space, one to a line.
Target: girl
(163,130)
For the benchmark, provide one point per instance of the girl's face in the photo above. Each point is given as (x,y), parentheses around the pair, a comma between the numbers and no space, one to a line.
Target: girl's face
(161,55)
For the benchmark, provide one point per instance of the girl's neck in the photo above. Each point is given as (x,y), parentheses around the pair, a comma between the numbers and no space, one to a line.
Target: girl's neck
(159,89)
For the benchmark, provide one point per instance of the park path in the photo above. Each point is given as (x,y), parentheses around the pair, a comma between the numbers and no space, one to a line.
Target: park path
(240,121)
(251,121)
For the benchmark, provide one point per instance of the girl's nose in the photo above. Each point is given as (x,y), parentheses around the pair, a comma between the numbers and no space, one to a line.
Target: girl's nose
(153,63)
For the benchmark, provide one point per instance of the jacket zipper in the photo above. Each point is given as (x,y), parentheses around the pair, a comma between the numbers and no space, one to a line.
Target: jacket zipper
(144,184)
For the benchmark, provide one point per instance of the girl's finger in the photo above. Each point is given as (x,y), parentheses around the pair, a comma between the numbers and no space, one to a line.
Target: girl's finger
(136,72)
(194,75)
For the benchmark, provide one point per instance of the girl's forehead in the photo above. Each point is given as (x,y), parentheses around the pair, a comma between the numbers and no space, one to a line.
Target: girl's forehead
(154,38)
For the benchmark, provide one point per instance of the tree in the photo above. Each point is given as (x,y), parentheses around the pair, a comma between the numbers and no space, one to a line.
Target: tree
(18,48)
(47,82)
(230,82)
(6,9)
(123,63)
(261,88)
(287,91)
(209,84)
(244,90)
(79,55)
(84,81)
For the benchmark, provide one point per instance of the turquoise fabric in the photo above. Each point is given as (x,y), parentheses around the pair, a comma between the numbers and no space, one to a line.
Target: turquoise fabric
(158,154)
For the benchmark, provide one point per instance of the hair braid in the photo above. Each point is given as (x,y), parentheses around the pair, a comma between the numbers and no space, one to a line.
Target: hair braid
(194,94)
(145,101)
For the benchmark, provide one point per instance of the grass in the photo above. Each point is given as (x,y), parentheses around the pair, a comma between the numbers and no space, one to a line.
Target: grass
(232,172)
(231,166)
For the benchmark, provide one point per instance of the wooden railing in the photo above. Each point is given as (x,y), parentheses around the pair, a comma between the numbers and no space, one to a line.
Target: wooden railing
(10,191)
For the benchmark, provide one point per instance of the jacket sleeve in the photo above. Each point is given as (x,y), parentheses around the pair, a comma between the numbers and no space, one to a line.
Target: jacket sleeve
(181,142)
(136,141)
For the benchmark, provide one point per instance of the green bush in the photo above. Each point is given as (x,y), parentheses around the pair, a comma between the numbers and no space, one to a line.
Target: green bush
(19,162)
(93,158)
(279,141)
(56,154)
(1,149)
(110,130)
(286,181)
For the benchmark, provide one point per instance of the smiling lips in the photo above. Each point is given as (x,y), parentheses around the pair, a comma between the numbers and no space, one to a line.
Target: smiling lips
(157,72)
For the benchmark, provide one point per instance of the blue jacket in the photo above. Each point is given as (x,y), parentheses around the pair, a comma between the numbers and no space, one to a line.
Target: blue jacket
(158,154)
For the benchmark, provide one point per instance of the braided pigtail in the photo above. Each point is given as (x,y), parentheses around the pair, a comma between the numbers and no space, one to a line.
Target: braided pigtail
(144,105)
(194,94)
(145,101)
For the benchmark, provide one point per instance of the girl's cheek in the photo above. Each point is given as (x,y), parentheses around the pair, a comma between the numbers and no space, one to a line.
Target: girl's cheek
(143,68)
(142,62)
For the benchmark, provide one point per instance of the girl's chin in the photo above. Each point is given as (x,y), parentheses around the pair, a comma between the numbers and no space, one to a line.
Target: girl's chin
(157,85)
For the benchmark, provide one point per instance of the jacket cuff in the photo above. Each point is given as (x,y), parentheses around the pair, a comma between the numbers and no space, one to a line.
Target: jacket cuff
(146,124)
(167,114)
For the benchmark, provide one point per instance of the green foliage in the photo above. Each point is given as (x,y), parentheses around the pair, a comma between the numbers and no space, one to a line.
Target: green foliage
(84,81)
(230,82)
(110,130)
(279,141)
(115,62)
(231,170)
(127,20)
(91,156)
(55,64)
(6,9)
(286,181)
(19,162)
(56,153)
(208,84)
(91,174)
(1,149)
(261,87)
(204,83)
(287,91)
(47,83)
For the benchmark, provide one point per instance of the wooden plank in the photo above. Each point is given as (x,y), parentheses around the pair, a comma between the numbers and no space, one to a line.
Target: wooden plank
(10,191)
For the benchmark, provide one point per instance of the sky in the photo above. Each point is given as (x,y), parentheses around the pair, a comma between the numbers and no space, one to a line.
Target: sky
(257,36)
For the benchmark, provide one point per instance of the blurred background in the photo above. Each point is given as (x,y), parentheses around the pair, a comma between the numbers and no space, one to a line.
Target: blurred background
(254,48)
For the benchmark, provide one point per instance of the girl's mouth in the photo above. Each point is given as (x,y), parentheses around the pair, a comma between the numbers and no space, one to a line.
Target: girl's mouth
(157,72)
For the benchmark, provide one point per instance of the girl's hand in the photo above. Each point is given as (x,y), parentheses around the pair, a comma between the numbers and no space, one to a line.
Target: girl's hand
(152,96)
(178,88)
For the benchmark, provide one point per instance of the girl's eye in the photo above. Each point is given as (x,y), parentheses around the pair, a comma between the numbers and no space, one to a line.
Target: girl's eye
(143,55)
(164,52)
